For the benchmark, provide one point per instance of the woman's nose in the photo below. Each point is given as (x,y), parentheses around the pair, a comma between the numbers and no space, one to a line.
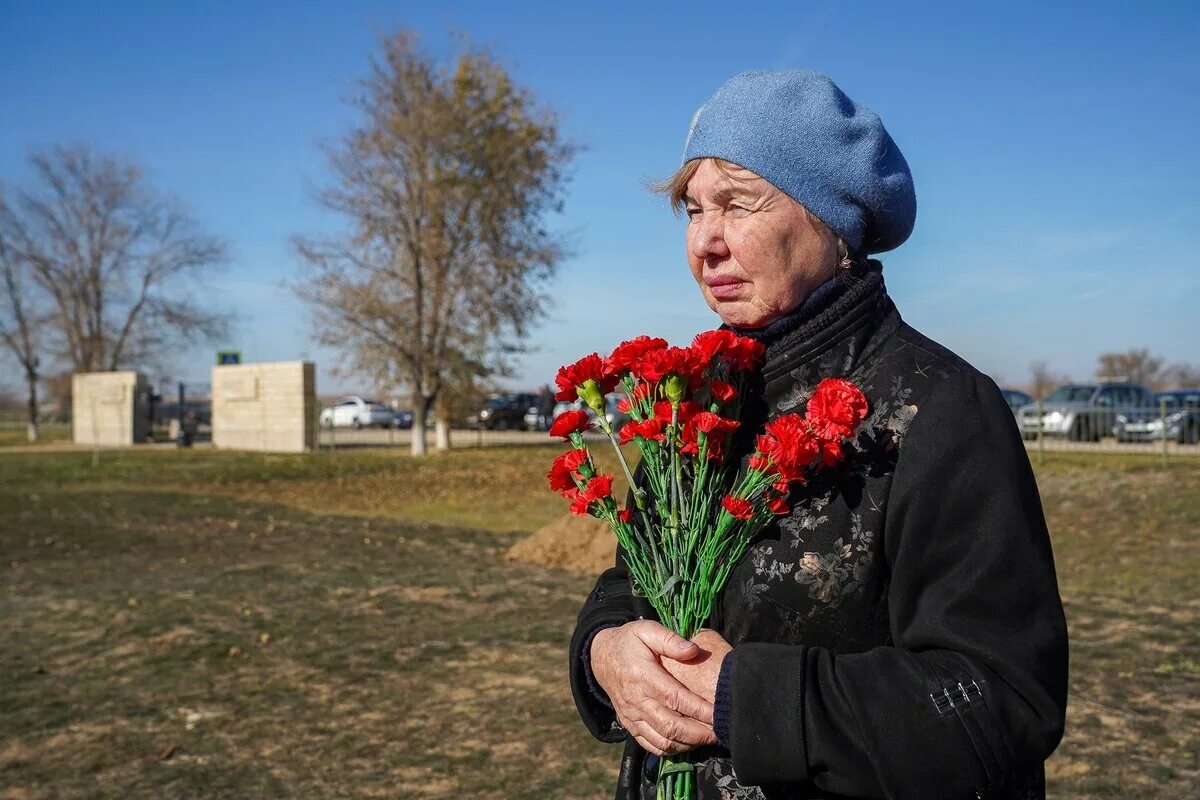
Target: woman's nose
(706,236)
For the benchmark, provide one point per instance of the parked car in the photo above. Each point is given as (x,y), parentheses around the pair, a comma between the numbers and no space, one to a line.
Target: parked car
(357,412)
(403,420)
(503,411)
(1182,419)
(1085,412)
(531,417)
(1016,399)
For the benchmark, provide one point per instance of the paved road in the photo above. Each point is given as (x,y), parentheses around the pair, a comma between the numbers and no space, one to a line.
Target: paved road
(342,437)
(346,438)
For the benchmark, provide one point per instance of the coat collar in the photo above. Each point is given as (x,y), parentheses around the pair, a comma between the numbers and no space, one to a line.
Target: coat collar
(832,339)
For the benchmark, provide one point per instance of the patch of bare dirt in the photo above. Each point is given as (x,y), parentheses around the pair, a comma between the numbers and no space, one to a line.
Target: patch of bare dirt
(582,545)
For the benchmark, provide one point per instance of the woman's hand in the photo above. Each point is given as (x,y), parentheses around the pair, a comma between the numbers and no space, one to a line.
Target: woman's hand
(699,673)
(664,716)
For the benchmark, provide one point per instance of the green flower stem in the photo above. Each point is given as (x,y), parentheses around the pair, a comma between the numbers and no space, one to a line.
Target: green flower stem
(639,495)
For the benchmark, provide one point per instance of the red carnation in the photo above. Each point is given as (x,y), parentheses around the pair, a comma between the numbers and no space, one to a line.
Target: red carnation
(568,422)
(687,410)
(651,428)
(740,352)
(560,479)
(760,463)
(746,353)
(714,424)
(627,354)
(836,408)
(560,474)
(625,515)
(627,432)
(738,507)
(789,445)
(716,450)
(588,368)
(723,392)
(600,486)
(831,452)
(658,364)
(597,488)
(778,505)
(623,405)
(710,344)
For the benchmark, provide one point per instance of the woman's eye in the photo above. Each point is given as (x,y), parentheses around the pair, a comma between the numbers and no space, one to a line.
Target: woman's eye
(692,213)
(738,210)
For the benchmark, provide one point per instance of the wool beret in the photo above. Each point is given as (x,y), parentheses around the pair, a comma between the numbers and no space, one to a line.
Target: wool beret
(799,131)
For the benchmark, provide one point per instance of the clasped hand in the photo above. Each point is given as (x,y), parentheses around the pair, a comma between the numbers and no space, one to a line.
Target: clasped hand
(661,685)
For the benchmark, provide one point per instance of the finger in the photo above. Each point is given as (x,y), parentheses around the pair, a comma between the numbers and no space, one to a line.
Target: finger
(658,744)
(680,729)
(648,736)
(679,698)
(665,641)
(647,746)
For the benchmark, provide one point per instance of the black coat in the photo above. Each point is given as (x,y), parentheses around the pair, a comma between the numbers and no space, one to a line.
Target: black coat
(900,633)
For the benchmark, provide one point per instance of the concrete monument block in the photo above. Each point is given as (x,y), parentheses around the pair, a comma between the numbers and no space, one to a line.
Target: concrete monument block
(268,407)
(109,408)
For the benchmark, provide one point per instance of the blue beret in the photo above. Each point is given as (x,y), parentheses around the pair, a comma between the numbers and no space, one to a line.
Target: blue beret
(798,130)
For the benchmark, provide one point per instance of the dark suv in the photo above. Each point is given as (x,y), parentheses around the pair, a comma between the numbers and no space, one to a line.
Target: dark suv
(503,411)
(1085,412)
(1182,418)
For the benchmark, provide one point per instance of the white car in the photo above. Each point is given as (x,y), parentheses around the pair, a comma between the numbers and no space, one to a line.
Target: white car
(357,412)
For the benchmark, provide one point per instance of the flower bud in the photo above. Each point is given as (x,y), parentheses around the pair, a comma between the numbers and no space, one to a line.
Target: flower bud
(589,392)
(673,387)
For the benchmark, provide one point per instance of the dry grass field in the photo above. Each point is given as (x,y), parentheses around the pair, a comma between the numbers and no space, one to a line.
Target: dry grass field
(196,624)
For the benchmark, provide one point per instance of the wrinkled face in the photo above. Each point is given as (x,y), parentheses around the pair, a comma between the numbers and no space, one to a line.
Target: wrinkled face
(755,252)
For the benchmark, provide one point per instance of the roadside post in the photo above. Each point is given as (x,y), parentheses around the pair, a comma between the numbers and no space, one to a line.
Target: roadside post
(1041,439)
(95,435)
(1162,420)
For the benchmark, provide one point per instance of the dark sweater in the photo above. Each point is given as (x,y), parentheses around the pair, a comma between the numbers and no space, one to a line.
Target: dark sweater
(900,633)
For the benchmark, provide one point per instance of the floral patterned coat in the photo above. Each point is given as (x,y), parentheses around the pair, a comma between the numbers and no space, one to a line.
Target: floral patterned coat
(900,633)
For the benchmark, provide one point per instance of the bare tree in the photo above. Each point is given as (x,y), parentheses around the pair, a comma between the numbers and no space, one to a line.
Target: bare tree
(1136,366)
(1042,380)
(116,259)
(446,184)
(1183,376)
(22,316)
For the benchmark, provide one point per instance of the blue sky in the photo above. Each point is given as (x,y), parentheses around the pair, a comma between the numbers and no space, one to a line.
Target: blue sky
(1054,149)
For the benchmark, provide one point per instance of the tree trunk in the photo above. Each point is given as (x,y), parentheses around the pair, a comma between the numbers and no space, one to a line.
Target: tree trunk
(418,426)
(443,424)
(31,426)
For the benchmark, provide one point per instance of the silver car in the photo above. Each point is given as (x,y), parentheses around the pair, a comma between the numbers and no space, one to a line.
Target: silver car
(1084,412)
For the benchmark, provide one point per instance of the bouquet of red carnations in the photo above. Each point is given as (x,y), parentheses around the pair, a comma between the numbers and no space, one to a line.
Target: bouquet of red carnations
(694,512)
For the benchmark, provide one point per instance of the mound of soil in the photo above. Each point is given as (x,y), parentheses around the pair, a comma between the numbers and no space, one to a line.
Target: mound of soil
(583,545)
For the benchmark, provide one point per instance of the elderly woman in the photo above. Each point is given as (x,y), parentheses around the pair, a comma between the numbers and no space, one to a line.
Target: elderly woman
(900,633)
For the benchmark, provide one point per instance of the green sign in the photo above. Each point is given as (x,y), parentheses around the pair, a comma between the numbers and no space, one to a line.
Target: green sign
(229,357)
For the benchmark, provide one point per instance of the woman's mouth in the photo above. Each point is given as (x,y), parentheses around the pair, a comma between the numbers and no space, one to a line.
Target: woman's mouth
(724,288)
